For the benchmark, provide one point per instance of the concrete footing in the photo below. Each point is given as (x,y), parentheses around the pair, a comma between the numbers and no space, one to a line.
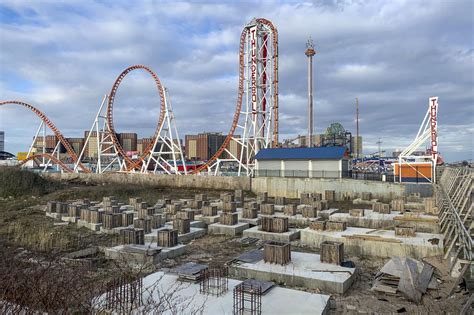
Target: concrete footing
(207,220)
(305,270)
(375,220)
(194,233)
(358,242)
(91,226)
(143,254)
(291,235)
(229,230)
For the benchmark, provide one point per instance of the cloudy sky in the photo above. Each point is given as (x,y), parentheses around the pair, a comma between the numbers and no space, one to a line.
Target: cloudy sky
(63,56)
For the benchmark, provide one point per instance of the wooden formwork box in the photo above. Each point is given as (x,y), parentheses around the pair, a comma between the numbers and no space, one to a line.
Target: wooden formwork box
(51,207)
(144,224)
(290,210)
(398,205)
(304,198)
(227,197)
(61,207)
(330,195)
(209,211)
(277,253)
(127,218)
(229,206)
(95,217)
(281,201)
(309,212)
(135,201)
(336,226)
(85,215)
(74,211)
(185,214)
(156,221)
(405,231)
(252,205)
(274,224)
(356,212)
(111,209)
(318,225)
(366,196)
(173,208)
(239,195)
(228,218)
(167,238)
(132,236)
(195,204)
(183,226)
(267,209)
(143,213)
(200,197)
(381,207)
(250,213)
(111,220)
(332,252)
(262,197)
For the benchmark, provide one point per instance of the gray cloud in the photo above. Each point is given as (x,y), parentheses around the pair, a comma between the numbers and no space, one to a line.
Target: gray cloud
(391,55)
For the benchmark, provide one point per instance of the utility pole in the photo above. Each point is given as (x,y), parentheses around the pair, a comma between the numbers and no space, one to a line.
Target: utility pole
(357,124)
(310,52)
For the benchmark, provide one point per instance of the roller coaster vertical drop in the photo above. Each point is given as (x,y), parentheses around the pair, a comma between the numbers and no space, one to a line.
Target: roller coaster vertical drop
(255,123)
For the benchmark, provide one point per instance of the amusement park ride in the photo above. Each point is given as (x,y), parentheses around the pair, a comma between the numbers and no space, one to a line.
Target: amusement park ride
(254,125)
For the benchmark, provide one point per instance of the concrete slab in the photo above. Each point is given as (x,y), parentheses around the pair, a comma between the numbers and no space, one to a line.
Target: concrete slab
(278,301)
(377,243)
(70,219)
(291,235)
(193,224)
(230,230)
(182,238)
(136,255)
(90,226)
(305,270)
(297,220)
(325,214)
(374,220)
(54,215)
(207,220)
(251,222)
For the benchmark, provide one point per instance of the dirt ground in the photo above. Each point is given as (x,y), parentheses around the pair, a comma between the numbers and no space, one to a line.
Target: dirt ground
(24,225)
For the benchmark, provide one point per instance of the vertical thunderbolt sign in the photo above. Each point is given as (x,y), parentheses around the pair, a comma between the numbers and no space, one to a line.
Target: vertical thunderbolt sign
(253,68)
(434,127)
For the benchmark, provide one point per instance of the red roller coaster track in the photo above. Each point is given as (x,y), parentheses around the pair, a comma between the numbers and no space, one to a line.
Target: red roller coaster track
(134,164)
(240,94)
(56,132)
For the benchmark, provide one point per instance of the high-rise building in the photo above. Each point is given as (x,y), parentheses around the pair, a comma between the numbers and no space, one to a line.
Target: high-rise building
(128,141)
(2,140)
(203,146)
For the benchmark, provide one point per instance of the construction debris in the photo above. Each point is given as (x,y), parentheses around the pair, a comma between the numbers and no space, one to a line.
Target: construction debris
(407,276)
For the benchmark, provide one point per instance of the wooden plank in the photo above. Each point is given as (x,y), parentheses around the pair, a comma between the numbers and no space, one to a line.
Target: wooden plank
(372,238)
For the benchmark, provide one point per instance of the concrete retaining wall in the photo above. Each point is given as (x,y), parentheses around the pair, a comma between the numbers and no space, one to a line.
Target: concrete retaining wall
(293,187)
(275,186)
(173,181)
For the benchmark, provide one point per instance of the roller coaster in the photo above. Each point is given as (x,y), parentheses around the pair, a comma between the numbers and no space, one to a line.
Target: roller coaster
(254,125)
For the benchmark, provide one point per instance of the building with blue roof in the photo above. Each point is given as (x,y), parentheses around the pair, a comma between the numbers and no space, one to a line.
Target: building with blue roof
(323,162)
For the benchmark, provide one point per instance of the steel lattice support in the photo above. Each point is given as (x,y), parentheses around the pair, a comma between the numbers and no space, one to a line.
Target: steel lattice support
(255,122)
(454,198)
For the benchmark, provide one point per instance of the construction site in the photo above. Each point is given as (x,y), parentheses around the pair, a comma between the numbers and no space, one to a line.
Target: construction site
(253,226)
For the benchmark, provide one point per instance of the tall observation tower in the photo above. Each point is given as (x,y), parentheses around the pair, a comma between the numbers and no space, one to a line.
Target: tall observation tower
(310,52)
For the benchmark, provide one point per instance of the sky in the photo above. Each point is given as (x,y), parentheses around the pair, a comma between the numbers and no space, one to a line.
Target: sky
(63,56)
